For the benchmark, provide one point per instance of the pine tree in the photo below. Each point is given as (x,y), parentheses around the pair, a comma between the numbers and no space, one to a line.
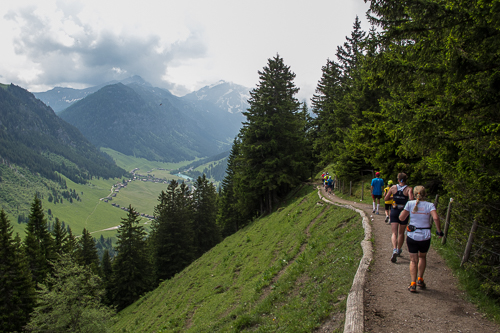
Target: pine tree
(60,237)
(229,218)
(172,233)
(206,233)
(17,292)
(38,243)
(86,253)
(70,245)
(107,276)
(271,159)
(70,301)
(132,269)
(326,123)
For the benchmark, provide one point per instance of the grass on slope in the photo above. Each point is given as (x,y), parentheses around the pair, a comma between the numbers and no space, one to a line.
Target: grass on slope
(90,213)
(143,196)
(289,271)
(129,162)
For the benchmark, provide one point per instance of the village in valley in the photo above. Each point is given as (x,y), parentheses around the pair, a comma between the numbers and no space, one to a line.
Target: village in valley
(115,189)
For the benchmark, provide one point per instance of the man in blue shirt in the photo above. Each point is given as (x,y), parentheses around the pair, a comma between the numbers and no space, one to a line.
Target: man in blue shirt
(376,189)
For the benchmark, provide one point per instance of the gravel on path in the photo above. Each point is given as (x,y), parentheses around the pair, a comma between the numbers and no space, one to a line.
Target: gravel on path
(390,307)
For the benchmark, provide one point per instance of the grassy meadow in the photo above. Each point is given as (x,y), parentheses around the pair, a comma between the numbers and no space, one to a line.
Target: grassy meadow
(129,162)
(18,187)
(290,271)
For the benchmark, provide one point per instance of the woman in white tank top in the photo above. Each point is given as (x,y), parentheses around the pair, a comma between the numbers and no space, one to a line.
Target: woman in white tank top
(418,234)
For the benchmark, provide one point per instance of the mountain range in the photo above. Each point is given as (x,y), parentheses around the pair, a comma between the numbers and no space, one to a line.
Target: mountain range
(33,136)
(137,119)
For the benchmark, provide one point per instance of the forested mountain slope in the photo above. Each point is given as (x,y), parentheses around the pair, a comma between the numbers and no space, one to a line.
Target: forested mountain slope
(142,121)
(31,135)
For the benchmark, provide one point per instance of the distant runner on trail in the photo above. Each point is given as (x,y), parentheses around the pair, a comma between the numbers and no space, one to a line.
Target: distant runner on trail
(388,203)
(376,189)
(400,193)
(418,235)
(330,184)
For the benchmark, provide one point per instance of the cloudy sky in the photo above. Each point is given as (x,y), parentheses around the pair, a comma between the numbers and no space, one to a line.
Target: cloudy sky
(180,45)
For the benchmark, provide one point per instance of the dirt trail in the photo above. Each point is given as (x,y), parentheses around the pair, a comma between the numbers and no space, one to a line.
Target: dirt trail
(390,307)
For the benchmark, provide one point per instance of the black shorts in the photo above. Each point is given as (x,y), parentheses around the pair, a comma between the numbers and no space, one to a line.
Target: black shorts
(395,217)
(377,196)
(418,246)
(388,206)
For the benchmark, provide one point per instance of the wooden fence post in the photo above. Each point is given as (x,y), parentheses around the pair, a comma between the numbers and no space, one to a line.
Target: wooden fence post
(447,222)
(350,188)
(362,190)
(468,248)
(435,205)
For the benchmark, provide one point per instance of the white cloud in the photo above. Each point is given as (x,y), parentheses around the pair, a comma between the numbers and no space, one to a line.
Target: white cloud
(179,45)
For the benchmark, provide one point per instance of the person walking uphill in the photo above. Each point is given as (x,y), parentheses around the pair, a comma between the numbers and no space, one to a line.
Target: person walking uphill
(400,193)
(388,203)
(418,236)
(376,189)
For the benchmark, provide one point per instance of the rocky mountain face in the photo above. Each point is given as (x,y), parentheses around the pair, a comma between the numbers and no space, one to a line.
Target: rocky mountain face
(225,95)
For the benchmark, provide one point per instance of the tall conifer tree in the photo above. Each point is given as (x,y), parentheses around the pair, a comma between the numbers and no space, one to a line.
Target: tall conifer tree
(272,137)
(206,232)
(86,253)
(132,269)
(172,233)
(60,235)
(229,218)
(17,292)
(38,243)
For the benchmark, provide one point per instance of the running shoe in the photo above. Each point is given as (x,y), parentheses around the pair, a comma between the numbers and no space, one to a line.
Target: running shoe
(399,252)
(387,219)
(377,213)
(412,287)
(373,211)
(394,256)
(421,283)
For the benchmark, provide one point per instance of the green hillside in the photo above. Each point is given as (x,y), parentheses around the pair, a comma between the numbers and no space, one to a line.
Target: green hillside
(290,270)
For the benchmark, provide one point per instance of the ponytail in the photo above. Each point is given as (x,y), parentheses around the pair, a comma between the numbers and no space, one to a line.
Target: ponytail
(419,193)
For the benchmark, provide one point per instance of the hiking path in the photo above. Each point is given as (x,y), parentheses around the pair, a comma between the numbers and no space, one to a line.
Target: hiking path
(390,307)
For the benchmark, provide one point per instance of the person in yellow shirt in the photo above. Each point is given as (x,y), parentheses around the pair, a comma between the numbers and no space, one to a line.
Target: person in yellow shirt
(388,203)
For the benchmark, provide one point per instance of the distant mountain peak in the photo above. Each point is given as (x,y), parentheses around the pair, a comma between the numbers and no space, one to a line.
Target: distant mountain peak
(227,95)
(136,79)
(215,84)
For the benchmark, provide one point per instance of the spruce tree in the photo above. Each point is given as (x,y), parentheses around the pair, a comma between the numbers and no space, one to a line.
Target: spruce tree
(17,292)
(38,243)
(132,269)
(107,276)
(205,230)
(229,218)
(60,235)
(172,233)
(272,161)
(86,253)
